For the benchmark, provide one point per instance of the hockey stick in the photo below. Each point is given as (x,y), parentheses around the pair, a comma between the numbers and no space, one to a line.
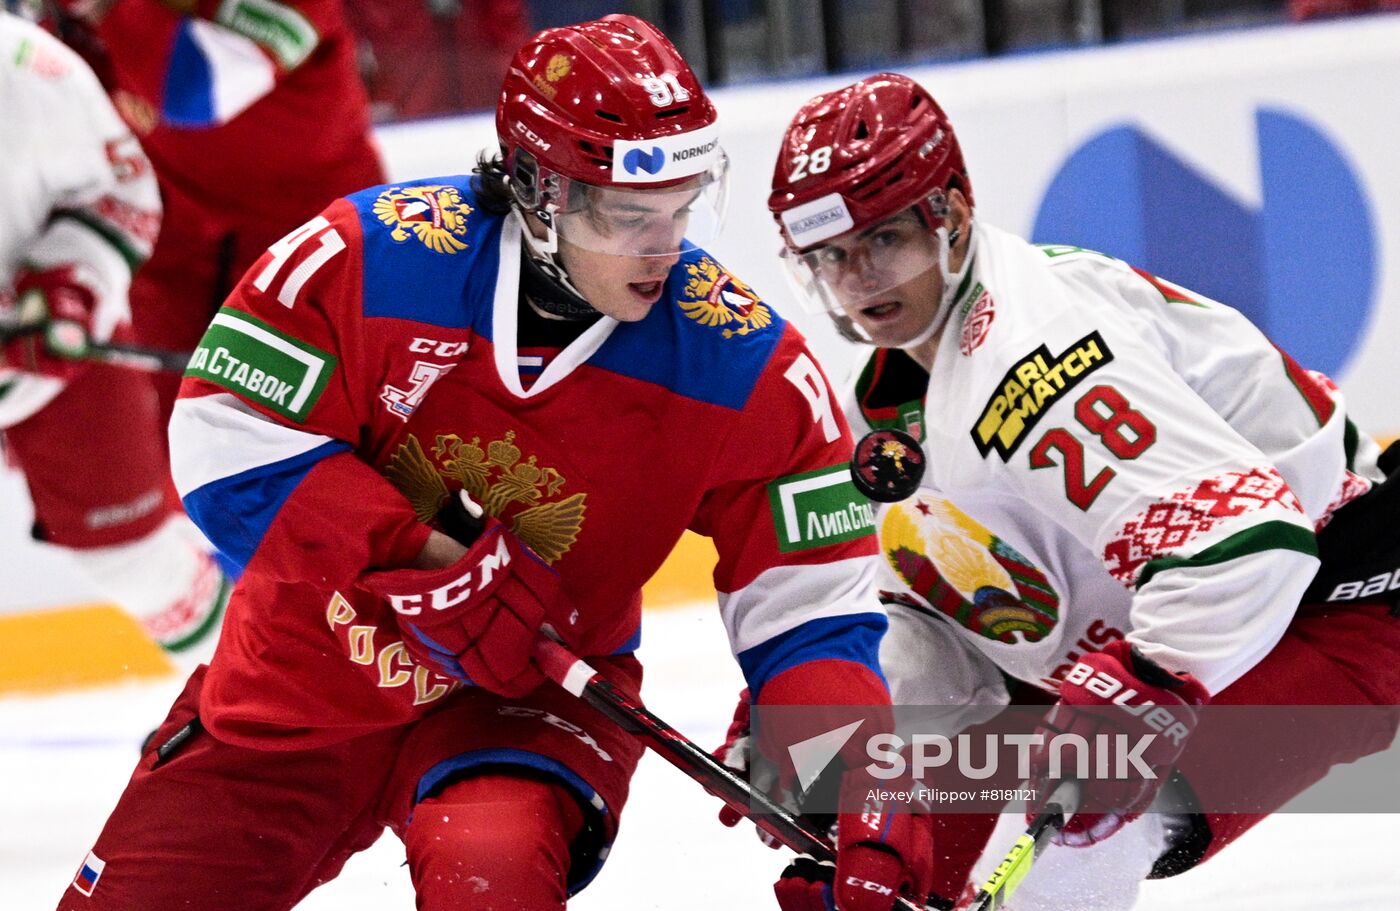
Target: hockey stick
(1008,875)
(136,357)
(155,360)
(579,678)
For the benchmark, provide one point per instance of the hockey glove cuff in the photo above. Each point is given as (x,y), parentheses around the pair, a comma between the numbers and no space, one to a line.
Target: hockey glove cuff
(1116,699)
(476,620)
(50,324)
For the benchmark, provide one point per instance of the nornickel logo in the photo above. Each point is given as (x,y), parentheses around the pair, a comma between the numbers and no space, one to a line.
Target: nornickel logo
(636,160)
(694,151)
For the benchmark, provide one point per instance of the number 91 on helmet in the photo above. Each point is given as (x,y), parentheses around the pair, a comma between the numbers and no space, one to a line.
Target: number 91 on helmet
(609,141)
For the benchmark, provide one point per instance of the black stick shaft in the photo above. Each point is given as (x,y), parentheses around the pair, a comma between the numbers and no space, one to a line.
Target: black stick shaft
(155,360)
(136,357)
(579,678)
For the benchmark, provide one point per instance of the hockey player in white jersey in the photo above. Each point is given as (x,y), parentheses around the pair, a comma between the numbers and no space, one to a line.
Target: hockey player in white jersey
(81,213)
(1126,484)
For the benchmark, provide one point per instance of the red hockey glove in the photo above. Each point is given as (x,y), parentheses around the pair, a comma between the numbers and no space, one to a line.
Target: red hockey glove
(882,852)
(50,323)
(476,620)
(1116,692)
(736,754)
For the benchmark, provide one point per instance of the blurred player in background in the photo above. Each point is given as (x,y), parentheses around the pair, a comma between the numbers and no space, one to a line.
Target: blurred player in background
(254,117)
(1128,488)
(82,212)
(547,339)
(425,57)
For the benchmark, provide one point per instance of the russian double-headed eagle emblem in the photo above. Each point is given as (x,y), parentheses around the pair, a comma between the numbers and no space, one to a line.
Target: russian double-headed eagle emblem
(496,477)
(436,215)
(713,297)
(559,66)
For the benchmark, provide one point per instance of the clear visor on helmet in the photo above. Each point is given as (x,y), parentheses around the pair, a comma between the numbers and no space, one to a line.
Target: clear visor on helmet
(862,268)
(645,221)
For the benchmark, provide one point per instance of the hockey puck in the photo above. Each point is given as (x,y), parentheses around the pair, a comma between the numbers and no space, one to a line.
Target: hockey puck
(887,465)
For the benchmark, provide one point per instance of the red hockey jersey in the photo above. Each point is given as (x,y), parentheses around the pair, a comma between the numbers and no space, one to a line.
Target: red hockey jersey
(231,101)
(367,366)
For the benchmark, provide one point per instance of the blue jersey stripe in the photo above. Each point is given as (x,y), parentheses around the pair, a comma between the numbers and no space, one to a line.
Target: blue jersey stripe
(405,278)
(850,637)
(708,338)
(235,512)
(189,82)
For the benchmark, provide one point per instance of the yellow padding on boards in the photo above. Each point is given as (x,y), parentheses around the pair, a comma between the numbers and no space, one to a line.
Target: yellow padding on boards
(66,648)
(685,577)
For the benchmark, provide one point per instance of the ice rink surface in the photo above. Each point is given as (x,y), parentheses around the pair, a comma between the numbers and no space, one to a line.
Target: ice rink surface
(64,760)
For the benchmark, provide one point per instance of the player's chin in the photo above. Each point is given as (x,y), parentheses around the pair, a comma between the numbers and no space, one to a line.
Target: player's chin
(887,330)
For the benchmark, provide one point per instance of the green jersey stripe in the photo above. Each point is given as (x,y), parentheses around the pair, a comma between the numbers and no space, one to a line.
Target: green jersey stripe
(1274,535)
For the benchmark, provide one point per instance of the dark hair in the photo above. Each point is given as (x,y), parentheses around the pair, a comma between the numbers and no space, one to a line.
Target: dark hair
(493,193)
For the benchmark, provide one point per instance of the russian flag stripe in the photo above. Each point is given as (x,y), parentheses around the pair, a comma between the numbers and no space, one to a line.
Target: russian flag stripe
(214,75)
(89,873)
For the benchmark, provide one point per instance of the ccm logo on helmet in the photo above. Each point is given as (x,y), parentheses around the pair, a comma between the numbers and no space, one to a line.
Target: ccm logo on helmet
(1111,688)
(459,589)
(665,157)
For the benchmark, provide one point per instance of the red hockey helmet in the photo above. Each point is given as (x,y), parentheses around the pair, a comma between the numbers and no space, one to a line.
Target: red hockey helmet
(856,156)
(609,105)
(860,195)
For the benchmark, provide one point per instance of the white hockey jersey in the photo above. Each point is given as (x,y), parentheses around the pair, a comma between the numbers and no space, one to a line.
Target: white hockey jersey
(78,190)
(1108,456)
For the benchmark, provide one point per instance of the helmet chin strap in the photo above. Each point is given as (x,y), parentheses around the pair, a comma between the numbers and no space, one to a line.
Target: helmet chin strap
(951,282)
(543,278)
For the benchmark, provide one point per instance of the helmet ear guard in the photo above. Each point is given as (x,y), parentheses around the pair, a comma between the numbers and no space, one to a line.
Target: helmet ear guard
(523,172)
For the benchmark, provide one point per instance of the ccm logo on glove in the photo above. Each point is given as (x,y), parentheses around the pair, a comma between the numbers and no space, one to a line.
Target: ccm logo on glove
(868,886)
(458,590)
(1102,684)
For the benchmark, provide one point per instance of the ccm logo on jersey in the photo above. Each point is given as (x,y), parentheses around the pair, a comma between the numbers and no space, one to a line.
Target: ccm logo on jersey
(458,590)
(437,348)
(1030,388)
(1111,688)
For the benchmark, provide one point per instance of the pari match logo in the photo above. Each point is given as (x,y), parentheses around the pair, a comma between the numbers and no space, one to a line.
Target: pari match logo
(1303,265)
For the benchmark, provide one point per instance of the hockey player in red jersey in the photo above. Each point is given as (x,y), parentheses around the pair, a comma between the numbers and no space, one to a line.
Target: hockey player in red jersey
(254,117)
(82,213)
(548,342)
(1127,494)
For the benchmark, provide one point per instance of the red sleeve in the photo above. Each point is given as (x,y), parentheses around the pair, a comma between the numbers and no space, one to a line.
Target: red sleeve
(271,411)
(797,550)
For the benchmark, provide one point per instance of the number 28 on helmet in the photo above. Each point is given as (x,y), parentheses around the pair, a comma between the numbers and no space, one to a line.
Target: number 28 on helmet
(860,191)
